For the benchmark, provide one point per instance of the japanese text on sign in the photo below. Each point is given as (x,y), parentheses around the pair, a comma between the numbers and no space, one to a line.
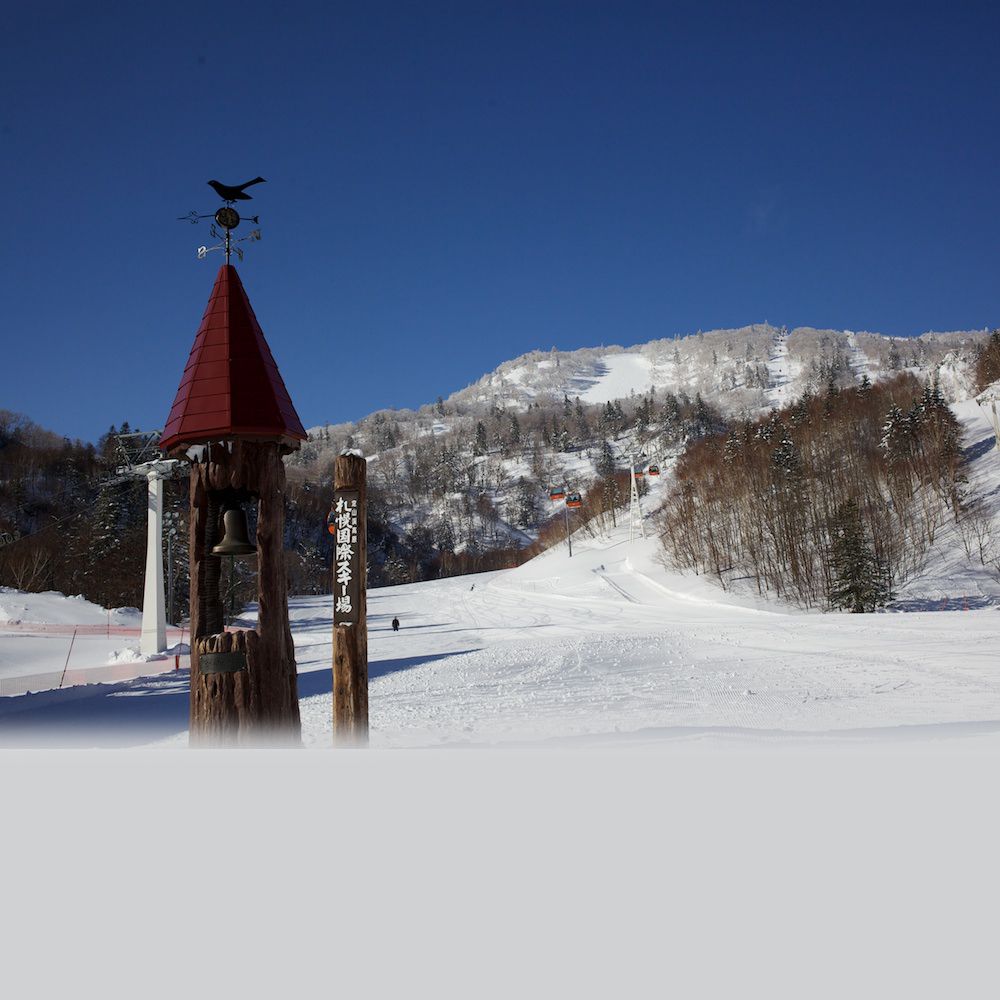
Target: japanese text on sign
(342,523)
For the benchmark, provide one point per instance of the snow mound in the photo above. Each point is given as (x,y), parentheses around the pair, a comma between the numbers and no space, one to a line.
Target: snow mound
(53,608)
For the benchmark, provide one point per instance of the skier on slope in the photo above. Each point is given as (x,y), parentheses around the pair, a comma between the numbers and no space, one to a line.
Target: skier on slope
(395,624)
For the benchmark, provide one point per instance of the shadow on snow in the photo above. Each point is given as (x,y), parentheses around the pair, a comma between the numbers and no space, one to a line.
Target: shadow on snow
(139,712)
(317,682)
(964,602)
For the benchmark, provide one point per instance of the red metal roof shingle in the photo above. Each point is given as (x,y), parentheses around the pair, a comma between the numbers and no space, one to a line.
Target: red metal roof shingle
(231,386)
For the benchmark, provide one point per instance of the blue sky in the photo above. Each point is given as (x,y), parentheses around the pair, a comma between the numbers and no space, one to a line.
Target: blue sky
(452,184)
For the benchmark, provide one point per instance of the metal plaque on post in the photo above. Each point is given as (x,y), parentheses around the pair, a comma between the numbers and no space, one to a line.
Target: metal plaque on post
(348,571)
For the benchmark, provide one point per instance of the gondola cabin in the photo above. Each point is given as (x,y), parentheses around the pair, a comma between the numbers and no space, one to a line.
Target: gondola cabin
(574,500)
(639,474)
(653,470)
(555,495)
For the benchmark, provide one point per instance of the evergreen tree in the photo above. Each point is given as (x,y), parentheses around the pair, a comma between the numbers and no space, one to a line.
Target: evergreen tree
(481,447)
(736,441)
(515,431)
(786,457)
(896,435)
(525,504)
(857,583)
(605,464)
(671,417)
(988,362)
(704,421)
(580,418)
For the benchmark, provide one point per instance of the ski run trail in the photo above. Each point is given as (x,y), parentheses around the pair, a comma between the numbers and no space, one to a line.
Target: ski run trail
(779,375)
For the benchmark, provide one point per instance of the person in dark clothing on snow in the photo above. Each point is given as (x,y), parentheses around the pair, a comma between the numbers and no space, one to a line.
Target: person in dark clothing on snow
(395,624)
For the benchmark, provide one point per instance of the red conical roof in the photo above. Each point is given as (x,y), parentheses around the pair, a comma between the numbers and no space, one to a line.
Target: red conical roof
(231,387)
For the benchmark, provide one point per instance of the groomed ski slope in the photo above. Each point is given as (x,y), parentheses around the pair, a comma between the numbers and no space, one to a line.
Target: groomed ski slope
(606,648)
(609,647)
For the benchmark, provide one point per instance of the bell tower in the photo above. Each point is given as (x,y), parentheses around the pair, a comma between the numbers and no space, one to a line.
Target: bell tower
(233,420)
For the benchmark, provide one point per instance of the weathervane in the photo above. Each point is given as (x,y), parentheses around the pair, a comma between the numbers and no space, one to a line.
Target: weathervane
(227,218)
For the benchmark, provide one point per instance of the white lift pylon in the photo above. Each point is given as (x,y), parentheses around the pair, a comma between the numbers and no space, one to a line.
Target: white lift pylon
(153,638)
(635,522)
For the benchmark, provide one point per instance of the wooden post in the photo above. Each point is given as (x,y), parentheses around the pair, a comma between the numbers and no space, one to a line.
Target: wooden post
(350,606)
(245,692)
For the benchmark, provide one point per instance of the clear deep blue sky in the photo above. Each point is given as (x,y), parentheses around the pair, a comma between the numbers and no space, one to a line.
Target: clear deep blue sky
(452,184)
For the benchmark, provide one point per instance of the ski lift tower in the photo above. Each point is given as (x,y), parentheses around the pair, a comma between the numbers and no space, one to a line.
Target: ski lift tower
(139,457)
(635,521)
(636,526)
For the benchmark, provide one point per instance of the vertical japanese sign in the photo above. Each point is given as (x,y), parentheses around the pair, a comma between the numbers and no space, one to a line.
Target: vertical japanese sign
(343,525)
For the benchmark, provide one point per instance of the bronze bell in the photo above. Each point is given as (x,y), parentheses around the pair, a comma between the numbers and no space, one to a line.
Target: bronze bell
(235,541)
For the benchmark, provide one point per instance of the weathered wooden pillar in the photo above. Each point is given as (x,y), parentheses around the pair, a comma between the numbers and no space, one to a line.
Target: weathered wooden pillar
(249,695)
(233,420)
(350,605)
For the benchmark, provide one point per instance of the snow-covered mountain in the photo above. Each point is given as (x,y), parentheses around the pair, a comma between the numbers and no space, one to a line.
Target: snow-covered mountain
(739,370)
(721,365)
(472,473)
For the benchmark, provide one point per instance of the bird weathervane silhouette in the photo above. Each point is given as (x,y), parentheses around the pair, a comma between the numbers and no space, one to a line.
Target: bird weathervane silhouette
(227,218)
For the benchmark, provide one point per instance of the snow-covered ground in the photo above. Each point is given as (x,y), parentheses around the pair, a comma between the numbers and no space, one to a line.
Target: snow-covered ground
(606,648)
(616,377)
(51,641)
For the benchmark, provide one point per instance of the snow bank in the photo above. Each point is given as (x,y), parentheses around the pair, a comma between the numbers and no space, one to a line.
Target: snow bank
(53,608)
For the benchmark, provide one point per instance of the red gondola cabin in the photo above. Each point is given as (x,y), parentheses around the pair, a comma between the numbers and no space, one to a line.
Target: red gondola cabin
(574,500)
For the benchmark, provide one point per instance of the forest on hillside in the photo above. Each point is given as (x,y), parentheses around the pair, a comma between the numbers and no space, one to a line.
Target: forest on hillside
(868,474)
(846,472)
(470,500)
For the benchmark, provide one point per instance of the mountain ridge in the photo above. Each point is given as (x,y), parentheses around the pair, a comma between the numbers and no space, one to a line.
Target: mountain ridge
(540,375)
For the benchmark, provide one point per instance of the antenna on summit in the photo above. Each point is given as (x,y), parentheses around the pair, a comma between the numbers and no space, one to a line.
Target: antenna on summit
(227,219)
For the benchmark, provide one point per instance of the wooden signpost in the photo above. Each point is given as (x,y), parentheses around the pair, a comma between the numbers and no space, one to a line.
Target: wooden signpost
(350,611)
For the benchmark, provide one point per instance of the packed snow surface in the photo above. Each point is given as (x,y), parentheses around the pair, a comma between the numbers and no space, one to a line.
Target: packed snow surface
(605,648)
(51,641)
(617,376)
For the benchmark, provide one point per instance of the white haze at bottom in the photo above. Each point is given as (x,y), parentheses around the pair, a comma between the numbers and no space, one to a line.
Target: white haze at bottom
(681,871)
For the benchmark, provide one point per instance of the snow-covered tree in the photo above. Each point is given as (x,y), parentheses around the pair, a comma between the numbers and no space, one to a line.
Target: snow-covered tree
(857,582)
